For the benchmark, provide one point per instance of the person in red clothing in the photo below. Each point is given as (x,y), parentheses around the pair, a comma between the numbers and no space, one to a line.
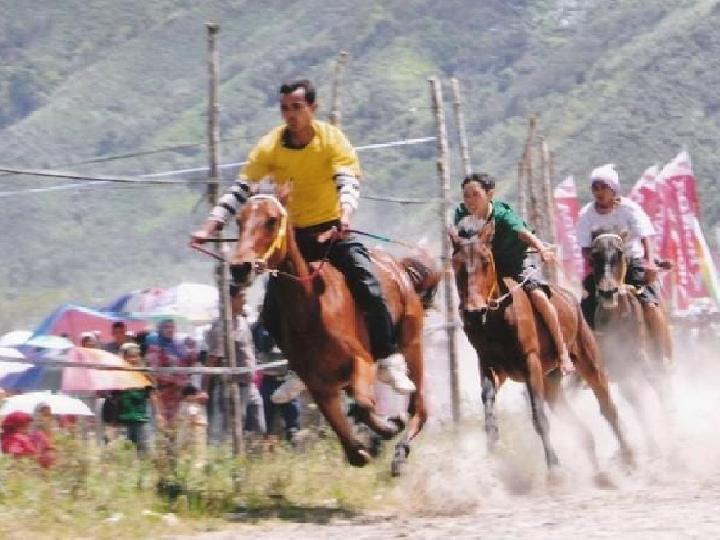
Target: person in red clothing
(42,436)
(15,439)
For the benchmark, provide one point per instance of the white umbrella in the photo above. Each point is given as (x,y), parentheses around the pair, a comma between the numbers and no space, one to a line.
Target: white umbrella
(194,302)
(10,352)
(7,366)
(59,404)
(15,338)
(50,342)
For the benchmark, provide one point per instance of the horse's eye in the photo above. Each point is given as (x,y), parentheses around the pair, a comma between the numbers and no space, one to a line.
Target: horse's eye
(270,223)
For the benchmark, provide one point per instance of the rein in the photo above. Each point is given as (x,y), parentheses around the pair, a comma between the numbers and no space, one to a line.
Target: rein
(497,302)
(316,272)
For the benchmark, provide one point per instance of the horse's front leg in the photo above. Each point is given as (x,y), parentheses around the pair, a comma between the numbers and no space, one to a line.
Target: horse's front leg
(535,387)
(330,404)
(489,386)
(417,409)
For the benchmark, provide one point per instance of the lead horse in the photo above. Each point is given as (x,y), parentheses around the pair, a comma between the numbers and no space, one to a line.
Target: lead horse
(322,331)
(512,342)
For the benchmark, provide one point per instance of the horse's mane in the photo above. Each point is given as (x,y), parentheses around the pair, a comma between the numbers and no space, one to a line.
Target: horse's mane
(612,229)
(424,276)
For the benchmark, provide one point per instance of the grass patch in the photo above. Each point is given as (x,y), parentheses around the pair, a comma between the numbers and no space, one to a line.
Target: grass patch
(109,493)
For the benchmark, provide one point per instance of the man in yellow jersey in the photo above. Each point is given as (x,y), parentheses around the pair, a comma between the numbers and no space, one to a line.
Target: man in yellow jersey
(325,171)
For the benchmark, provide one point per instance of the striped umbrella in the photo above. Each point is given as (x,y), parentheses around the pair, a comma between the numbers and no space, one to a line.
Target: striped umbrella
(81,379)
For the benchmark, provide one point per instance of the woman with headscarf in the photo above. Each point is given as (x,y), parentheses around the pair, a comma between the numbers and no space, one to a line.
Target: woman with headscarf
(165,351)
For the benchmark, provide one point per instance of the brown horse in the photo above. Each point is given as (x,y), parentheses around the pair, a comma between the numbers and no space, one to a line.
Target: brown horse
(634,338)
(322,331)
(512,342)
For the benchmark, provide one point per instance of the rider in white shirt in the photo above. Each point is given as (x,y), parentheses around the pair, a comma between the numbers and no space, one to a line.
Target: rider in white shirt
(608,210)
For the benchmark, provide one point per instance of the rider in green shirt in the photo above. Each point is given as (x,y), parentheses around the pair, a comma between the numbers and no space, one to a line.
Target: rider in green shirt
(509,246)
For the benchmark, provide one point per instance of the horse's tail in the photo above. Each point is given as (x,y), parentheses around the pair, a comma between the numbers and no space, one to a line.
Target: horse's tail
(425,276)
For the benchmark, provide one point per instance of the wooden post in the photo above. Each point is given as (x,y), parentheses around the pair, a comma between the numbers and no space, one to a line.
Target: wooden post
(335,111)
(450,304)
(548,206)
(534,218)
(460,124)
(522,188)
(221,269)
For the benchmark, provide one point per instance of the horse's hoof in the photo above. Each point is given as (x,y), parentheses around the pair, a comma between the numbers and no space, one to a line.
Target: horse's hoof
(398,467)
(628,458)
(376,443)
(557,476)
(400,421)
(602,480)
(358,457)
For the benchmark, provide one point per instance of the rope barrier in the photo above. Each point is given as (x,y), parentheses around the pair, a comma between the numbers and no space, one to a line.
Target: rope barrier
(162,177)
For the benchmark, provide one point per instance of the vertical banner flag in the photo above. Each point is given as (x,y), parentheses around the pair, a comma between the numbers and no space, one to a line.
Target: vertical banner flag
(566,215)
(707,264)
(650,192)
(682,210)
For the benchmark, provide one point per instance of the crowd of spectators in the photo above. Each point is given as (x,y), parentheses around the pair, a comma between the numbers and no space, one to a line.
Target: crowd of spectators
(190,409)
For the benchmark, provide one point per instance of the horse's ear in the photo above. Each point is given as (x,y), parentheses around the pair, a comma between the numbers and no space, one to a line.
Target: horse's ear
(487,232)
(283,191)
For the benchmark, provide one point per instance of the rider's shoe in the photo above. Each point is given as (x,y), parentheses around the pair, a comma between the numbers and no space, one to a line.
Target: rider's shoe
(289,390)
(392,370)
(566,363)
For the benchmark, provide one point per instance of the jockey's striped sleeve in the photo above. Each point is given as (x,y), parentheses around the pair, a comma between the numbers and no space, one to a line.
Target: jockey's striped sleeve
(231,201)
(349,189)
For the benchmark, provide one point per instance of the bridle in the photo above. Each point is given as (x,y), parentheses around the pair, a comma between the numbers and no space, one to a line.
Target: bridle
(494,301)
(279,243)
(622,288)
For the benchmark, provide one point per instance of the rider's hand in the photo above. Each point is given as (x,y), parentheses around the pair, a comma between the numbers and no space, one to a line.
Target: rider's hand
(547,255)
(651,272)
(201,236)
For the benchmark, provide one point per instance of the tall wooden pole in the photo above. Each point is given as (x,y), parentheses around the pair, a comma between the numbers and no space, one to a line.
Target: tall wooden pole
(335,111)
(549,206)
(221,269)
(522,188)
(450,304)
(534,217)
(460,124)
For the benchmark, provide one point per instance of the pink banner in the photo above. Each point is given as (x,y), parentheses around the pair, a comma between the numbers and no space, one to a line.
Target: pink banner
(566,215)
(682,208)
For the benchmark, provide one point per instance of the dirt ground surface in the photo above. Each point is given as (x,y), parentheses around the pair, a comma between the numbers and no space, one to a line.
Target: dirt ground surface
(455,489)
(680,510)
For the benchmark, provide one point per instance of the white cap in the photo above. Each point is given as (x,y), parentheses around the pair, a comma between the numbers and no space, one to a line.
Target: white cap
(608,175)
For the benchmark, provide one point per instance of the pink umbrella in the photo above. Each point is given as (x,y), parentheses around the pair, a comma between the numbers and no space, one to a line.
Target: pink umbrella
(81,379)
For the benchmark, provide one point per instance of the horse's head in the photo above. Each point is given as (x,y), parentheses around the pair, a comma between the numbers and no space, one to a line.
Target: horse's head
(262,238)
(474,267)
(608,263)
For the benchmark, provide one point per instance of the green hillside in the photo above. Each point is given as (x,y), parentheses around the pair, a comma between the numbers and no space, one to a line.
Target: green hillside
(625,81)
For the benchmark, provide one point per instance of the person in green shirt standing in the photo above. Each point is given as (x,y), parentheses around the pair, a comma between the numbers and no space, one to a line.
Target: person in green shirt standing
(133,404)
(509,247)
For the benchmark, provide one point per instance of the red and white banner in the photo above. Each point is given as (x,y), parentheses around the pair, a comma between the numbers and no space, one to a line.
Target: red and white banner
(670,200)
(566,216)
(650,195)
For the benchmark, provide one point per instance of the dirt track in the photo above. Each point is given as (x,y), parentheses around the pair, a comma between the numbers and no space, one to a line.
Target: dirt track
(454,489)
(681,510)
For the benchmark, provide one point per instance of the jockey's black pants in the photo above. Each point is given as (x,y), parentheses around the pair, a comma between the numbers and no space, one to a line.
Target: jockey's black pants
(352,259)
